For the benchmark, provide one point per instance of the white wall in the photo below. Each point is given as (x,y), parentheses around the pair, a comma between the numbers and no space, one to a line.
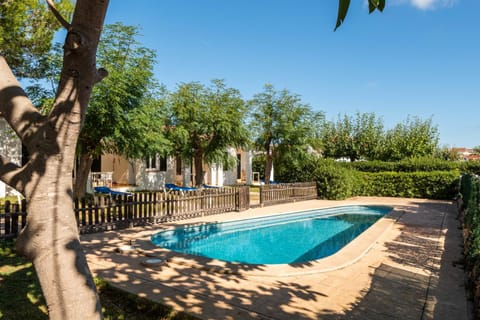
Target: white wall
(10,148)
(148,179)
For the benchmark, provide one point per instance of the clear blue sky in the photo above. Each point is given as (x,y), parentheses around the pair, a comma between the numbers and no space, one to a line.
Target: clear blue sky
(419,57)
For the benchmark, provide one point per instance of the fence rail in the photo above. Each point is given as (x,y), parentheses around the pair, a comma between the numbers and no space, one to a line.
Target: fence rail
(101,213)
(287,192)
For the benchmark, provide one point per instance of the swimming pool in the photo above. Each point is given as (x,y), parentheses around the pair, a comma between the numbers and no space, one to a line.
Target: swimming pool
(279,239)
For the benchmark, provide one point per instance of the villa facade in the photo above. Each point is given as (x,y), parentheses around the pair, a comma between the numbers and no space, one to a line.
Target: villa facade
(143,174)
(154,172)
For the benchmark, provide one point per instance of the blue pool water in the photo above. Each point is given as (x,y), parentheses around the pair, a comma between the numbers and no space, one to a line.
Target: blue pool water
(285,238)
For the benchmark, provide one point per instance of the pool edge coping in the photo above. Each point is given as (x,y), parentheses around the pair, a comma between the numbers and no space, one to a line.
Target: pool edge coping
(343,258)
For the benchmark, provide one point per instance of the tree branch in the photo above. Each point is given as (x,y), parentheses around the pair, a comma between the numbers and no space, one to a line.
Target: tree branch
(15,106)
(11,174)
(57,15)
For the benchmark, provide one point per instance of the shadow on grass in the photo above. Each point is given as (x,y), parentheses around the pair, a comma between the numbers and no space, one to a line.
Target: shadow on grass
(20,294)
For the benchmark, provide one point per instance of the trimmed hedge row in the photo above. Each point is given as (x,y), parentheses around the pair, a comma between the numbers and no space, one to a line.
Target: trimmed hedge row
(415,164)
(470,212)
(337,181)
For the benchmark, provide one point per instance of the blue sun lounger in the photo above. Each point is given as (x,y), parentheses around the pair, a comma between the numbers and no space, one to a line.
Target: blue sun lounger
(174,187)
(210,187)
(107,190)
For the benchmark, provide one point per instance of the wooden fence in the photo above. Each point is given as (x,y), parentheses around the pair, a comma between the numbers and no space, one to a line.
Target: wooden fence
(101,213)
(287,192)
(106,213)
(13,217)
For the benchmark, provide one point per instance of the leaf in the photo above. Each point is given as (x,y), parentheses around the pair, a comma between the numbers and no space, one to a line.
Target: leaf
(342,12)
(376,5)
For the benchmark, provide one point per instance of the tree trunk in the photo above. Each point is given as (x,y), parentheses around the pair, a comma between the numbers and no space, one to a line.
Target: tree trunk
(81,176)
(199,173)
(268,167)
(50,238)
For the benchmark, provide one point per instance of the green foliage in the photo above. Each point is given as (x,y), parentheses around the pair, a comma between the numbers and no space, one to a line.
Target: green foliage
(470,209)
(354,138)
(26,32)
(406,165)
(204,121)
(283,127)
(293,168)
(412,138)
(339,181)
(126,111)
(334,181)
(471,167)
(430,185)
(362,137)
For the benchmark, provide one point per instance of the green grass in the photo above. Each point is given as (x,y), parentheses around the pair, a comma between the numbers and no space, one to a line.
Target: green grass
(21,296)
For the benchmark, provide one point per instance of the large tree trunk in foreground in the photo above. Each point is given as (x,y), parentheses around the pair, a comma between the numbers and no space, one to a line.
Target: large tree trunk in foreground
(50,238)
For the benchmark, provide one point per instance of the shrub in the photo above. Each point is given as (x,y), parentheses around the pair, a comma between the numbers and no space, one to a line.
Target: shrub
(335,181)
(470,210)
(339,181)
(407,165)
(431,185)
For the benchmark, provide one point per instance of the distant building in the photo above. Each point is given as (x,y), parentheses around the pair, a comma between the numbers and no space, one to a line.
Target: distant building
(467,154)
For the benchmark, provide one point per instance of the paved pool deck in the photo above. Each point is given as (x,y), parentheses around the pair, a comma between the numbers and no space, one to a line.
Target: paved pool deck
(406,266)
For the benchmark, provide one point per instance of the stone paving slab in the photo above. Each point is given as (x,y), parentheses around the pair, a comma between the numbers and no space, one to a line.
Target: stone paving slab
(402,268)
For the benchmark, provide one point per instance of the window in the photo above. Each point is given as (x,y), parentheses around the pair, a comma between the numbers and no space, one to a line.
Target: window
(151,163)
(156,163)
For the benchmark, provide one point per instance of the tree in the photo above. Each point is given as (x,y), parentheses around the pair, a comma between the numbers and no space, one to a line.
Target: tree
(116,114)
(283,126)
(204,122)
(412,138)
(356,137)
(26,31)
(50,238)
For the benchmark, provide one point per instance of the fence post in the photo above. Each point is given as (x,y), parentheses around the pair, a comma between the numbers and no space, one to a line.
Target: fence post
(15,213)
(7,218)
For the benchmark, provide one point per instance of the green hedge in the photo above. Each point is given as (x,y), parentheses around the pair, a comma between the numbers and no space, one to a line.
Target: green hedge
(470,211)
(431,185)
(413,165)
(337,181)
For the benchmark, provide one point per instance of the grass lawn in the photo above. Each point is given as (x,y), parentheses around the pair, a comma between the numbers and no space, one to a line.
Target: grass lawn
(21,296)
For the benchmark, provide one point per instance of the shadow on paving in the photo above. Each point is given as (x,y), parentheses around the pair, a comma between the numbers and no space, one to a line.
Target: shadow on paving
(434,289)
(399,285)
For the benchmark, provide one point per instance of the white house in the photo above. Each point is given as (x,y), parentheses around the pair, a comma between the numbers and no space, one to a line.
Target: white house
(145,174)
(10,148)
(154,172)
